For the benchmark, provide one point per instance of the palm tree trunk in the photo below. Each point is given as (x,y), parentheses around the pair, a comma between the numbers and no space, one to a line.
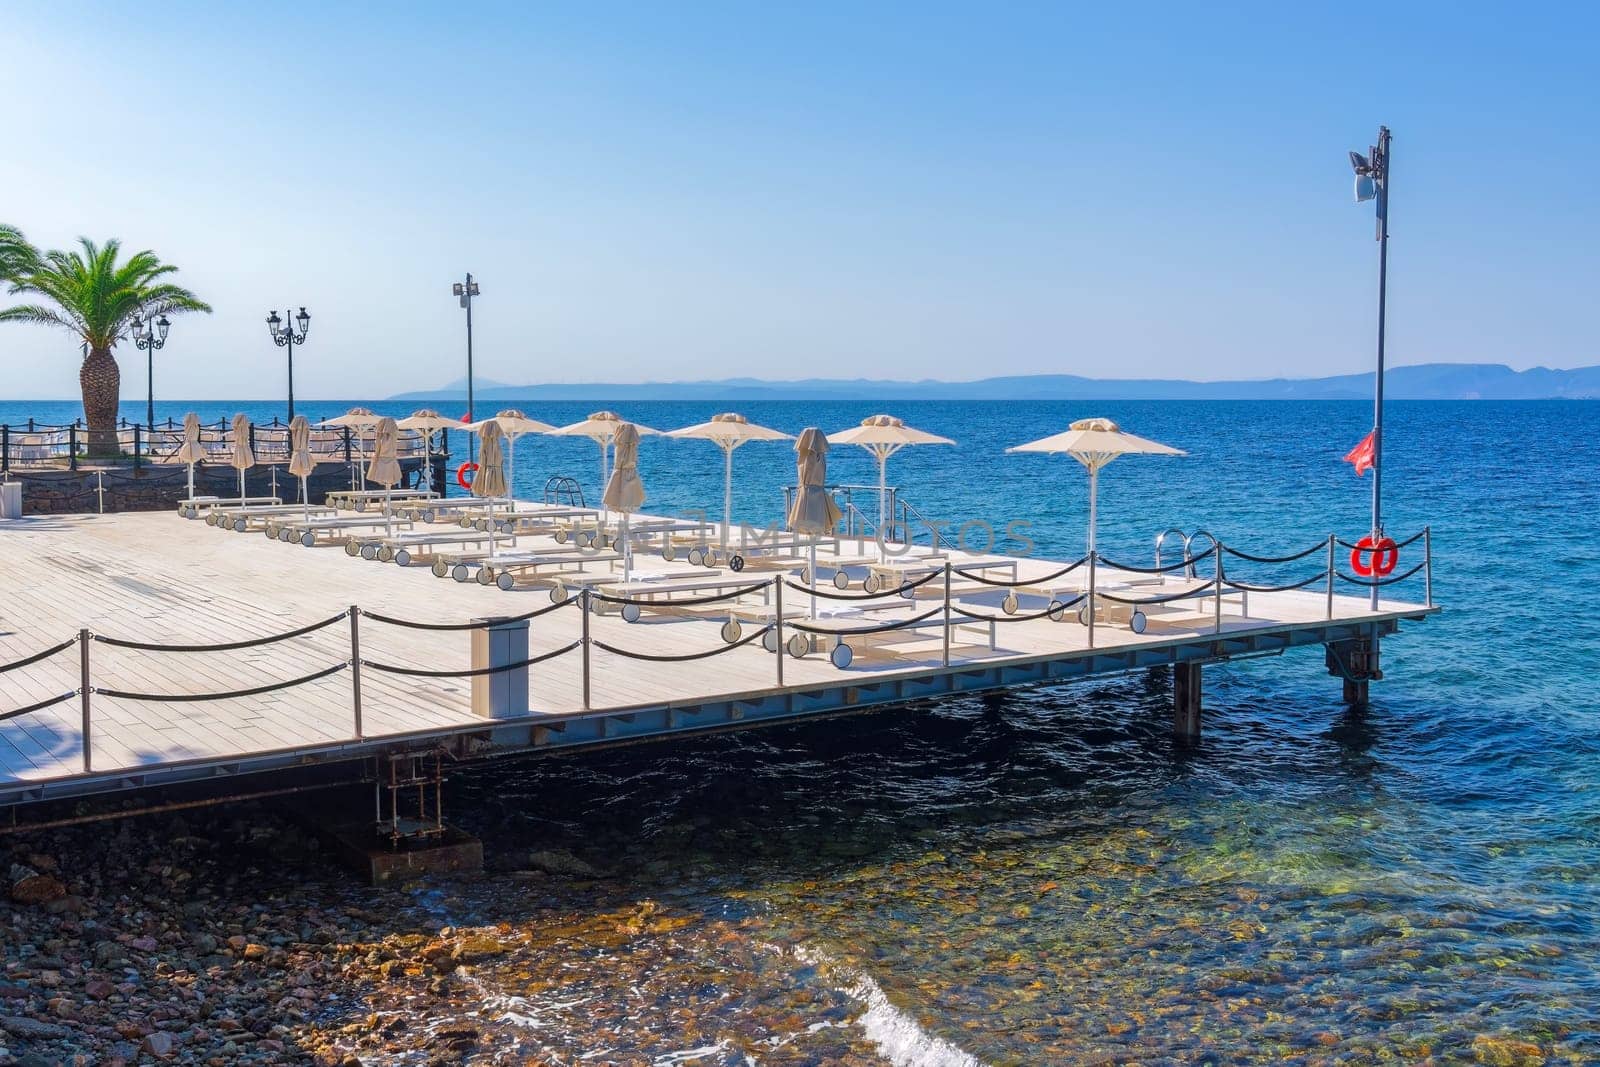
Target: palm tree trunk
(101,382)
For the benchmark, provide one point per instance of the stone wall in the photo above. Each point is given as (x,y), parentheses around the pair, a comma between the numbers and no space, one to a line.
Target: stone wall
(159,486)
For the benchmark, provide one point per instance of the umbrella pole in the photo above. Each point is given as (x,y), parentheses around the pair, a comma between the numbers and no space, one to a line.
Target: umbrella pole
(727,493)
(812,573)
(627,552)
(388,514)
(1094,492)
(511,487)
(604,511)
(191,481)
(883,499)
(241,484)
(494,535)
(305,499)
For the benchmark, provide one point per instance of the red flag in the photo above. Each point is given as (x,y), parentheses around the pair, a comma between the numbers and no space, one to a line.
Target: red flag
(1362,454)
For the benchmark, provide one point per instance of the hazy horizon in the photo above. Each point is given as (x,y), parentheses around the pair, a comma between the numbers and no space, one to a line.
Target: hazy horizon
(715,191)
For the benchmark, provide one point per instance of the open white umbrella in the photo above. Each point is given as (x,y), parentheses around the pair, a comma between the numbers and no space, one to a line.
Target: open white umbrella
(385,466)
(728,431)
(813,510)
(490,481)
(883,436)
(243,456)
(428,422)
(514,424)
(601,427)
(191,451)
(625,492)
(300,462)
(354,419)
(1094,443)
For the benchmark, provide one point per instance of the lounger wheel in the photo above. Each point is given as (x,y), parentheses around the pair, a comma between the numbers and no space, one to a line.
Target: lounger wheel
(871,583)
(485,575)
(482,525)
(430,515)
(1138,621)
(270,532)
(1083,615)
(799,645)
(460,572)
(464,522)
(1056,611)
(309,540)
(630,612)
(731,630)
(368,552)
(669,552)
(736,564)
(1009,604)
(769,640)
(403,557)
(907,591)
(384,554)
(440,569)
(841,655)
(561,537)
(841,580)
(697,557)
(709,559)
(558,594)
(504,581)
(211,518)
(361,505)
(352,547)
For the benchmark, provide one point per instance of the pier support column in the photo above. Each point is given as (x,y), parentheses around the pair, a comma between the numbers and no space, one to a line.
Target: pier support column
(1186,702)
(1355,662)
(504,694)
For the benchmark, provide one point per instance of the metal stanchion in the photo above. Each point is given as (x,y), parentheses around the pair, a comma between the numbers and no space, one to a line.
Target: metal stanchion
(947,613)
(1427,563)
(1217,547)
(583,605)
(777,616)
(83,692)
(1331,541)
(355,666)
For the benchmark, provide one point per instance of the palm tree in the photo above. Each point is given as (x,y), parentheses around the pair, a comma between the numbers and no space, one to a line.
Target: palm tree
(17,256)
(96,297)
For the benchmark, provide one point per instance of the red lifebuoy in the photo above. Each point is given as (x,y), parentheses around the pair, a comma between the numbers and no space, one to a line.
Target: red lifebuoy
(461,474)
(1385,556)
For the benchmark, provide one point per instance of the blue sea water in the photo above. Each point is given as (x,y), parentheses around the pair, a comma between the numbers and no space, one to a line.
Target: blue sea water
(1042,877)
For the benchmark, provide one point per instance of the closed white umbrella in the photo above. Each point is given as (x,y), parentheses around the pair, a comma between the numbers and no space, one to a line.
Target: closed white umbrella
(244,456)
(728,431)
(191,451)
(883,436)
(385,466)
(514,424)
(601,427)
(490,481)
(1094,443)
(625,492)
(300,462)
(813,511)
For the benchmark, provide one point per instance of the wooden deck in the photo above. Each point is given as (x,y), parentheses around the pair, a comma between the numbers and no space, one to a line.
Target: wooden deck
(160,578)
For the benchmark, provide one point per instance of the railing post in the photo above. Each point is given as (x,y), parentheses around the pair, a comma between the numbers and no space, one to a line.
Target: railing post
(5,449)
(1427,565)
(136,446)
(583,605)
(1090,600)
(1331,540)
(355,667)
(947,613)
(1216,546)
(777,616)
(83,695)
(72,447)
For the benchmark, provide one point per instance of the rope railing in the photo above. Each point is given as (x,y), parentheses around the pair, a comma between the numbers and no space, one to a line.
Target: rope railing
(685,602)
(898,624)
(412,624)
(1205,589)
(1248,588)
(1320,546)
(225,646)
(1375,582)
(479,672)
(1413,539)
(1182,564)
(232,694)
(1017,583)
(40,706)
(900,590)
(686,657)
(37,656)
(1054,612)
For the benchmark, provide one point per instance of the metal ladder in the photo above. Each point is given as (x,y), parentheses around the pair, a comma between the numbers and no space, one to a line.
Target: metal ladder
(1188,546)
(560,489)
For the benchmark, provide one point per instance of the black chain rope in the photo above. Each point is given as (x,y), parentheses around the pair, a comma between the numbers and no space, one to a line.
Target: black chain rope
(1375,582)
(901,589)
(37,656)
(254,691)
(36,707)
(1413,539)
(228,646)
(900,625)
(1230,583)
(409,624)
(729,647)
(1056,609)
(1276,559)
(419,672)
(1019,582)
(689,603)
(1200,591)
(1187,561)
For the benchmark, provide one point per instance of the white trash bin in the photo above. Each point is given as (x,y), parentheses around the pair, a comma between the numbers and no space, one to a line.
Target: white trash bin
(10,500)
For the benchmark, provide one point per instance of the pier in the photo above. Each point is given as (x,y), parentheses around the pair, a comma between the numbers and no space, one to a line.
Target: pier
(217,656)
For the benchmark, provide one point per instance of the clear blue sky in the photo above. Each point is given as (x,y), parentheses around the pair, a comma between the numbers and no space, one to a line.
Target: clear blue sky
(678,191)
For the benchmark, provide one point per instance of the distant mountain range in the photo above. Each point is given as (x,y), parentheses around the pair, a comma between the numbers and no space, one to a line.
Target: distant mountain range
(1425,381)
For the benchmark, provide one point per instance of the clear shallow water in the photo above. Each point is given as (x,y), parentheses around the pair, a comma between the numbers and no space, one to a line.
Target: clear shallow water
(1042,877)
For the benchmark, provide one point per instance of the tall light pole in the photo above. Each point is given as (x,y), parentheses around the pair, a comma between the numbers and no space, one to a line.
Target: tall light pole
(283,335)
(150,336)
(1372,183)
(465,291)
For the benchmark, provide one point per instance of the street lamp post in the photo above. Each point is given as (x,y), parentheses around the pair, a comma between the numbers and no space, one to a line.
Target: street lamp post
(150,337)
(1372,183)
(464,292)
(284,336)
